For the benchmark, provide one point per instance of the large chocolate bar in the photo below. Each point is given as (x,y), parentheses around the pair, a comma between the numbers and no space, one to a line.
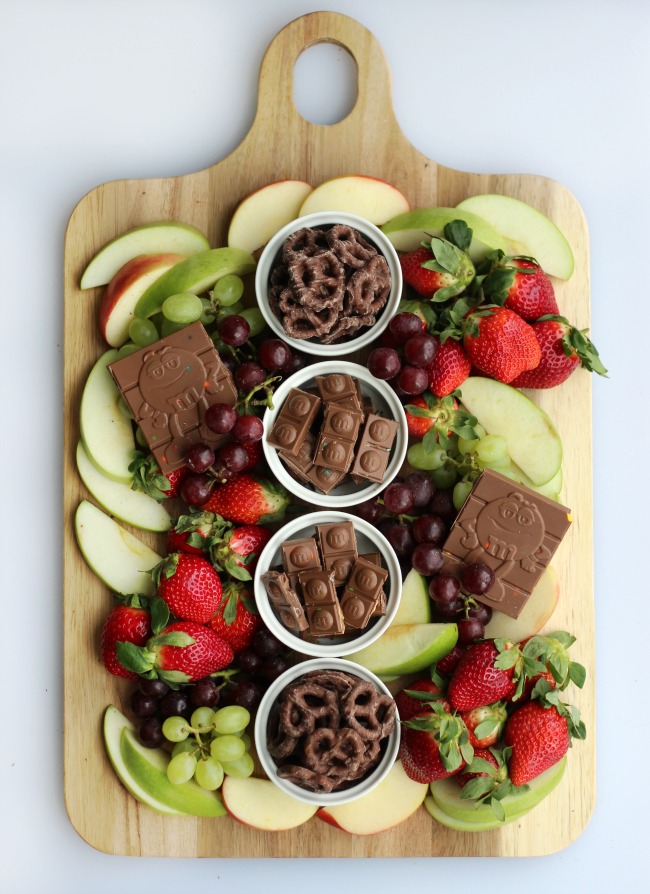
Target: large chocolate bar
(285,601)
(293,421)
(512,529)
(373,450)
(362,593)
(321,604)
(338,546)
(168,386)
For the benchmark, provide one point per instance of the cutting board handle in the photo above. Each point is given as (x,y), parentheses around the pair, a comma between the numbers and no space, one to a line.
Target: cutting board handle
(275,91)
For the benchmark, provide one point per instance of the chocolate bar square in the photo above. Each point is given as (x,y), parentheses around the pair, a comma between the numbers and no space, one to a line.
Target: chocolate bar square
(285,601)
(373,450)
(294,421)
(336,386)
(362,592)
(338,546)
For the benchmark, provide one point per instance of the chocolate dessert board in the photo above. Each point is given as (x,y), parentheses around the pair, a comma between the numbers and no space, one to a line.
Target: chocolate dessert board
(281,144)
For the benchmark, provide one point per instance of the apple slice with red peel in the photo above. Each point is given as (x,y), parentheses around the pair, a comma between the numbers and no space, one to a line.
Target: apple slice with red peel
(262,213)
(534,615)
(394,800)
(262,805)
(159,237)
(368,197)
(124,291)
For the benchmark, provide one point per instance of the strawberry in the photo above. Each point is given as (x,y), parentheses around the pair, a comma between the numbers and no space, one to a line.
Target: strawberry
(485,780)
(438,272)
(418,426)
(238,551)
(434,419)
(500,344)
(254,452)
(248,500)
(129,622)
(531,294)
(479,680)
(189,586)
(408,705)
(181,653)
(434,745)
(148,478)
(563,349)
(539,735)
(480,754)
(485,724)
(449,663)
(236,619)
(450,368)
(191,542)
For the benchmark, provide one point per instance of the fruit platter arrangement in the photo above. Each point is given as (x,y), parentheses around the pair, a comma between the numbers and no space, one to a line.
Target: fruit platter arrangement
(327,503)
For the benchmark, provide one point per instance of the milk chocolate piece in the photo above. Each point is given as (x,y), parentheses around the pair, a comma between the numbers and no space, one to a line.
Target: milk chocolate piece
(334,453)
(338,546)
(285,601)
(362,593)
(336,386)
(382,601)
(335,448)
(341,422)
(373,450)
(321,604)
(511,528)
(300,555)
(301,464)
(168,386)
(324,478)
(293,421)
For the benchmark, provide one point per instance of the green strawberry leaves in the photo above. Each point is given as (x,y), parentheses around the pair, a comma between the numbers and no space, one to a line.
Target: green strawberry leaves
(148,478)
(447,730)
(493,785)
(453,264)
(447,418)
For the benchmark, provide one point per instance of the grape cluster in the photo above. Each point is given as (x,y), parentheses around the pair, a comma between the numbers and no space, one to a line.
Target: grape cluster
(154,701)
(453,600)
(407,371)
(262,662)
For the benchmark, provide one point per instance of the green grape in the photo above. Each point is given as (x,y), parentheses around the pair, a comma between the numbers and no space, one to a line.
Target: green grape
(168,328)
(246,739)
(231,719)
(187,745)
(420,459)
(201,719)
(467,446)
(209,773)
(239,768)
(175,729)
(124,408)
(444,477)
(227,748)
(232,309)
(181,768)
(461,492)
(491,449)
(182,308)
(229,289)
(127,349)
(255,320)
(140,438)
(142,332)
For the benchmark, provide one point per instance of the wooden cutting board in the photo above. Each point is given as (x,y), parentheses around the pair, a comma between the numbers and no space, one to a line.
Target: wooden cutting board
(281,144)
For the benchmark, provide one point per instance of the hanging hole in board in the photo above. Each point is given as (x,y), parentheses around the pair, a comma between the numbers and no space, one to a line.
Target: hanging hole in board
(325,83)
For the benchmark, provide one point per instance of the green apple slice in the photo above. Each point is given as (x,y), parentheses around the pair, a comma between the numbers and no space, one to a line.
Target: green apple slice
(131,506)
(408,231)
(159,237)
(528,231)
(195,274)
(114,725)
(415,603)
(447,795)
(537,611)
(459,825)
(118,558)
(533,441)
(106,432)
(407,649)
(551,489)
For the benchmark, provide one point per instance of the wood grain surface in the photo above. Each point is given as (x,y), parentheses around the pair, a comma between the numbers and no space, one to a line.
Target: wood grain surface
(281,144)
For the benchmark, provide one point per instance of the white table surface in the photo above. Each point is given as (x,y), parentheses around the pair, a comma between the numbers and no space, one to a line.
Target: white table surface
(109,89)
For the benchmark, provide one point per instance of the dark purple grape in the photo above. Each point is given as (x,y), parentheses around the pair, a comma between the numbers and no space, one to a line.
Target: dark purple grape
(450,610)
(150,733)
(153,688)
(220,418)
(142,705)
(199,457)
(195,489)
(272,667)
(223,474)
(266,644)
(427,558)
(429,529)
(370,511)
(444,589)
(233,456)
(420,350)
(274,354)
(234,330)
(442,504)
(482,613)
(249,662)
(249,375)
(174,704)
(477,578)
(248,429)
(204,693)
(401,539)
(470,630)
(246,694)
(398,498)
(296,362)
(384,363)
(413,380)
(405,325)
(421,486)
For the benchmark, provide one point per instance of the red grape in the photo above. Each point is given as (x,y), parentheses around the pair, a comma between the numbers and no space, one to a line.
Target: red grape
(405,325)
(234,330)
(442,504)
(427,558)
(481,612)
(413,379)
(400,538)
(195,489)
(150,733)
(429,529)
(477,578)
(398,498)
(199,457)
(420,350)
(249,375)
(421,486)
(384,363)
(470,630)
(248,429)
(274,354)
(444,589)
(233,457)
(220,418)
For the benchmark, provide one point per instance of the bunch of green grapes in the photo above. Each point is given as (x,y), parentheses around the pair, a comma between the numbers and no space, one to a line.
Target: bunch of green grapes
(211,745)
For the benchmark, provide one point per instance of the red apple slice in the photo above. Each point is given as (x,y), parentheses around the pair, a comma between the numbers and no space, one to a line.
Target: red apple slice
(390,803)
(261,804)
(262,213)
(534,615)
(375,200)
(124,291)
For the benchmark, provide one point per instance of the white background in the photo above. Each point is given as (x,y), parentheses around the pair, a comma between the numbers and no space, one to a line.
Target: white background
(95,91)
